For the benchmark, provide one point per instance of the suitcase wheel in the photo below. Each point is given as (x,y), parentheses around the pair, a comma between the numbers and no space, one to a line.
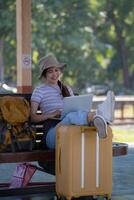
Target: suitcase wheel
(107,198)
(59,198)
(103,198)
(84,198)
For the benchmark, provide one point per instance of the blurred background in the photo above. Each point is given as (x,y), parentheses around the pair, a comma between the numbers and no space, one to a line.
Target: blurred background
(95,38)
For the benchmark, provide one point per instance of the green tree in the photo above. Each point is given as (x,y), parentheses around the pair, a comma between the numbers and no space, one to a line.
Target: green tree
(7,41)
(95,38)
(120,16)
(118,26)
(65,30)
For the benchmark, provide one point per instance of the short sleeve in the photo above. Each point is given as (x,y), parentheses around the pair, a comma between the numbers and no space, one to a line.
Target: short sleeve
(36,95)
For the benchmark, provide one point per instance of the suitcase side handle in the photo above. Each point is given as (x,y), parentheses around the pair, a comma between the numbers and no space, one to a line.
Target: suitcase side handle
(59,161)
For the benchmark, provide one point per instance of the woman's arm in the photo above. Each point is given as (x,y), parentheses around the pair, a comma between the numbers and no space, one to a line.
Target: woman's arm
(41,117)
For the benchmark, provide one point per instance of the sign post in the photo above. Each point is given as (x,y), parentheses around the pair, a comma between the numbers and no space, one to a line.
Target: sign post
(23,29)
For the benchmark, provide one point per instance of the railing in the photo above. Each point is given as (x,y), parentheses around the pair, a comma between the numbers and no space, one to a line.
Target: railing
(124,106)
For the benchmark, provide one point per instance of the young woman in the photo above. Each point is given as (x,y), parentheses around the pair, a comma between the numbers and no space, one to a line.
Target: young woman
(49,97)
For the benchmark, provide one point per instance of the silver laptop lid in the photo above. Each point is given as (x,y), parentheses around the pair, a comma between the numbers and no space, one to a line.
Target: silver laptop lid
(75,103)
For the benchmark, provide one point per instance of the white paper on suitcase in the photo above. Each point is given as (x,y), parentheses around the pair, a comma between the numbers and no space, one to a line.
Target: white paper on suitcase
(75,103)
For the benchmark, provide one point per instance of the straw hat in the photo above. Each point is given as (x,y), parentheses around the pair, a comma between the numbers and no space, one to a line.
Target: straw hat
(49,61)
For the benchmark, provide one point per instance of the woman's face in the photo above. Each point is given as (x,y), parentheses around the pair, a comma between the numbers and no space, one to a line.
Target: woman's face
(52,75)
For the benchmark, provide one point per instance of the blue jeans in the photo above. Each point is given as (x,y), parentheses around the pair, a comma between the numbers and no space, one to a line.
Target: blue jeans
(76,118)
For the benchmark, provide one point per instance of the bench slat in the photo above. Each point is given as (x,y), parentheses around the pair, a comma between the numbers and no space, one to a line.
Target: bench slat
(35,155)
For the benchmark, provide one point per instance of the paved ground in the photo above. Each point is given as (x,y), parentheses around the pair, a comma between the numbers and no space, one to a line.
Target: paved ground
(123,177)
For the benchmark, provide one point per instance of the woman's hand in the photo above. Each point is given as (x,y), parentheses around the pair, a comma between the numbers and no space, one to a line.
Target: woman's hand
(35,117)
(55,114)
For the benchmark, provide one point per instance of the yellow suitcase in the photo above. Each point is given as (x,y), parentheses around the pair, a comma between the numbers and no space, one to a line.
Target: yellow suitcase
(83,162)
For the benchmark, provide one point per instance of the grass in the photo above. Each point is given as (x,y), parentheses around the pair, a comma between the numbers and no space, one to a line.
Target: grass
(123,135)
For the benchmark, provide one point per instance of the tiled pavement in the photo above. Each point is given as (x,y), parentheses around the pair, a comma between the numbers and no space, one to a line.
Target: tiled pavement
(123,176)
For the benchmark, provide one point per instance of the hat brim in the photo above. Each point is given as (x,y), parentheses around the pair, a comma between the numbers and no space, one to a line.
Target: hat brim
(60,65)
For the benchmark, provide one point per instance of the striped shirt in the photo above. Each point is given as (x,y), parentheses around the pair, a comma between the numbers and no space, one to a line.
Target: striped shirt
(49,98)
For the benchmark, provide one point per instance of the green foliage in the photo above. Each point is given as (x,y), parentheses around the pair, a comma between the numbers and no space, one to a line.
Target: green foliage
(67,33)
(8,38)
(84,34)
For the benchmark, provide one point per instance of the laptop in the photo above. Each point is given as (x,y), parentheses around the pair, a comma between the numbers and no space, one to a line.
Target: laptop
(75,103)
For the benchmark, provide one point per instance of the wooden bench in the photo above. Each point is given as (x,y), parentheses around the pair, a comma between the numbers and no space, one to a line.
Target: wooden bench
(38,155)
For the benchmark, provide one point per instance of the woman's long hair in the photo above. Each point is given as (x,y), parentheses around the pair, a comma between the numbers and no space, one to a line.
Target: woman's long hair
(64,90)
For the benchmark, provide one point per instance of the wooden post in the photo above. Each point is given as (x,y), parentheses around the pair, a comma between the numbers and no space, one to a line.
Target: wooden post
(23,29)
